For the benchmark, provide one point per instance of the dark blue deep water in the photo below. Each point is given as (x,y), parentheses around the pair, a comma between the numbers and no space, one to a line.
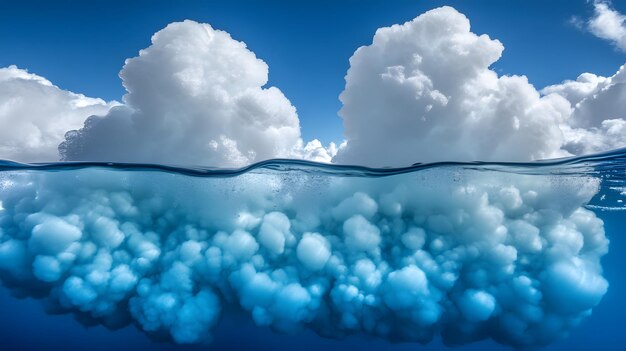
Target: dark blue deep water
(25,324)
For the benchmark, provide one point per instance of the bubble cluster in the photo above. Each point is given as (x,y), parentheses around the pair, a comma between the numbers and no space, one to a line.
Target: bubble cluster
(457,254)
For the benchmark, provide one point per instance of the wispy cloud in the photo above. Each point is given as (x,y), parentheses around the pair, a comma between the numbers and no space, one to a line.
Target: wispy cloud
(607,23)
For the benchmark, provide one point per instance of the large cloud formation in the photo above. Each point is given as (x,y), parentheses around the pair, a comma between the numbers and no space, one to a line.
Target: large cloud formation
(195,97)
(423,91)
(461,254)
(35,114)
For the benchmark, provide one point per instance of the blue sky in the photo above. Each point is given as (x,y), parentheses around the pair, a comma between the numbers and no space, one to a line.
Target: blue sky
(81,45)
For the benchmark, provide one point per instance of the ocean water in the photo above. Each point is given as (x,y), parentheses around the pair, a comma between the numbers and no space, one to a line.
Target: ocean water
(289,254)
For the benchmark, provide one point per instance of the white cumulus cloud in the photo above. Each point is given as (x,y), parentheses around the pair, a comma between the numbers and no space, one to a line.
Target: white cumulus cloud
(608,23)
(195,96)
(424,91)
(598,119)
(35,114)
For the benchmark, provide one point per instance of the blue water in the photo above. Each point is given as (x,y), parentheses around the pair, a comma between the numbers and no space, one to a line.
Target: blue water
(24,324)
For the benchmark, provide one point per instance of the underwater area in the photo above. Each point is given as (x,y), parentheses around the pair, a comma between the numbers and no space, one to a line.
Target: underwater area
(291,254)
